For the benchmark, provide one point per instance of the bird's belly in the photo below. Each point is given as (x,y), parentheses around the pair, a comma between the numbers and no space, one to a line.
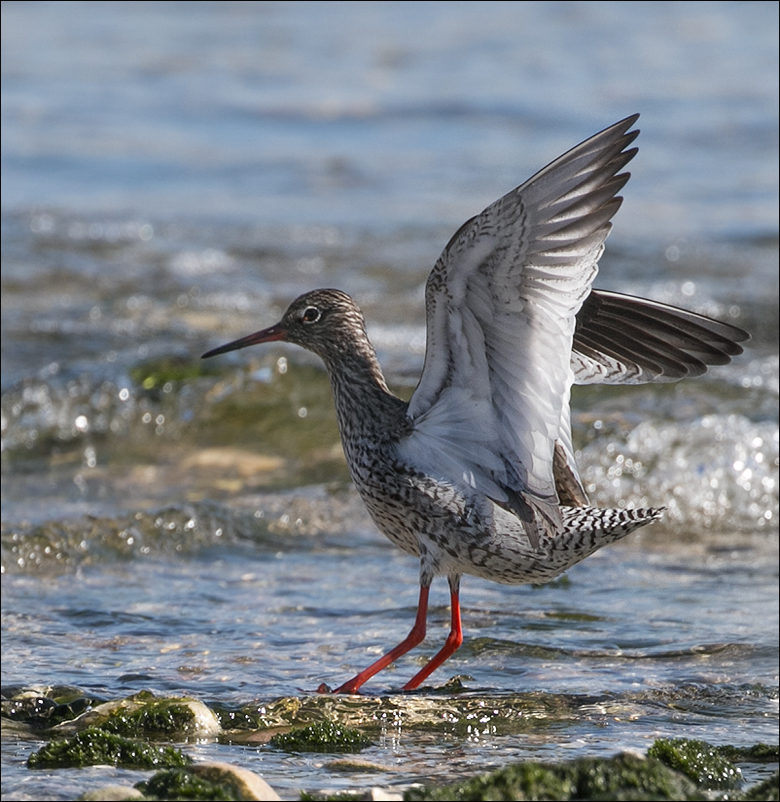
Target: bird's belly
(455,532)
(393,521)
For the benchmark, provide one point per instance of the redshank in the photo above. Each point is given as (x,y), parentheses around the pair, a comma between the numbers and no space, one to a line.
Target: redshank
(476,473)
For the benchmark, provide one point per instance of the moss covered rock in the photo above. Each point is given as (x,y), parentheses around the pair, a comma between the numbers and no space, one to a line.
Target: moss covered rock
(766,791)
(180,784)
(221,781)
(758,753)
(700,761)
(95,747)
(42,707)
(144,715)
(323,736)
(623,777)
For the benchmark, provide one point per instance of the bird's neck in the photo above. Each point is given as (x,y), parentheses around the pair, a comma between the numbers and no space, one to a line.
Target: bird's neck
(365,407)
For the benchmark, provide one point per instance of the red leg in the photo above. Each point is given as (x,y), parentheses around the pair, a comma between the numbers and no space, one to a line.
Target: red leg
(451,645)
(414,638)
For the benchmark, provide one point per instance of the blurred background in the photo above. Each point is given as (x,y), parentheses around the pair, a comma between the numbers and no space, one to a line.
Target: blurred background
(173,174)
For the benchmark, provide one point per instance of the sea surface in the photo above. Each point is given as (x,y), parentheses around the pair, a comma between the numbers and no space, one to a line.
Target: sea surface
(174,174)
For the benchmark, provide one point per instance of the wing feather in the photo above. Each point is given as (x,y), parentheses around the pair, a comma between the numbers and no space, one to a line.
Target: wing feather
(501,305)
(619,339)
(512,322)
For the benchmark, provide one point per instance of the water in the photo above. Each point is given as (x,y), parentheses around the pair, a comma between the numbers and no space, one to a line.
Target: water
(171,180)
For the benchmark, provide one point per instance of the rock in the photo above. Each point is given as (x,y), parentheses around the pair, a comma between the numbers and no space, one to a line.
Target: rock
(321,736)
(112,793)
(247,784)
(382,795)
(698,760)
(144,715)
(622,777)
(96,747)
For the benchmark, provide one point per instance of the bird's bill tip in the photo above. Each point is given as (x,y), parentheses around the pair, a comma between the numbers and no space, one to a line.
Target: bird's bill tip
(268,335)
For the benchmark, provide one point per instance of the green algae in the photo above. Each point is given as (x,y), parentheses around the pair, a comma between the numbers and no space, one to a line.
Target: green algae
(675,769)
(451,709)
(766,791)
(268,414)
(332,724)
(45,706)
(700,761)
(623,777)
(95,747)
(143,715)
(322,736)
(163,718)
(758,753)
(179,784)
(156,373)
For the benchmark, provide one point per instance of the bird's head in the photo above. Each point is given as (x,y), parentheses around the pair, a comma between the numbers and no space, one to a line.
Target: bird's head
(323,321)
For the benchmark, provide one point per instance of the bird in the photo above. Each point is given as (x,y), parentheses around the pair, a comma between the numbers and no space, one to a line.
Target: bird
(475,474)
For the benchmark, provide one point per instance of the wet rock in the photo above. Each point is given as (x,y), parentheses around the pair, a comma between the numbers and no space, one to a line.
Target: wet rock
(766,791)
(144,715)
(382,795)
(248,784)
(322,736)
(95,747)
(112,793)
(624,777)
(698,760)
(357,765)
(208,781)
(440,712)
(244,463)
(45,706)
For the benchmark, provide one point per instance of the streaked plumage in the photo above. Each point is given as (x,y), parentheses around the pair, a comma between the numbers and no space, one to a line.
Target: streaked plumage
(476,474)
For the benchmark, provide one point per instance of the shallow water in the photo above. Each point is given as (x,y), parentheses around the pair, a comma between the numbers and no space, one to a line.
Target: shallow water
(171,181)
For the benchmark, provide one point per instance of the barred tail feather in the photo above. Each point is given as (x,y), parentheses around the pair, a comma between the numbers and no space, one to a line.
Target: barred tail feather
(604,525)
(584,531)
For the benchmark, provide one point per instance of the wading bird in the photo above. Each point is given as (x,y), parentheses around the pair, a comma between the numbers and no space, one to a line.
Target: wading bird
(476,473)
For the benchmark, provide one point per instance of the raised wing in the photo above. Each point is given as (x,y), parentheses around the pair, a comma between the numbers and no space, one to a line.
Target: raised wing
(493,399)
(619,339)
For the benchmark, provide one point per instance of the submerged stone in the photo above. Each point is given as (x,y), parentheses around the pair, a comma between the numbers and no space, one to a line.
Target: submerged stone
(95,747)
(246,783)
(180,784)
(623,777)
(112,793)
(698,760)
(766,791)
(218,781)
(143,715)
(322,736)
(758,753)
(45,706)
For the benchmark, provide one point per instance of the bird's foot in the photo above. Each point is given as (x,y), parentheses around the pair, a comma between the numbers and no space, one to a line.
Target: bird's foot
(348,687)
(321,688)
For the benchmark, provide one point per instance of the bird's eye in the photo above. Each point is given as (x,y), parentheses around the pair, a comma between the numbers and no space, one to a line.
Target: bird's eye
(311,314)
